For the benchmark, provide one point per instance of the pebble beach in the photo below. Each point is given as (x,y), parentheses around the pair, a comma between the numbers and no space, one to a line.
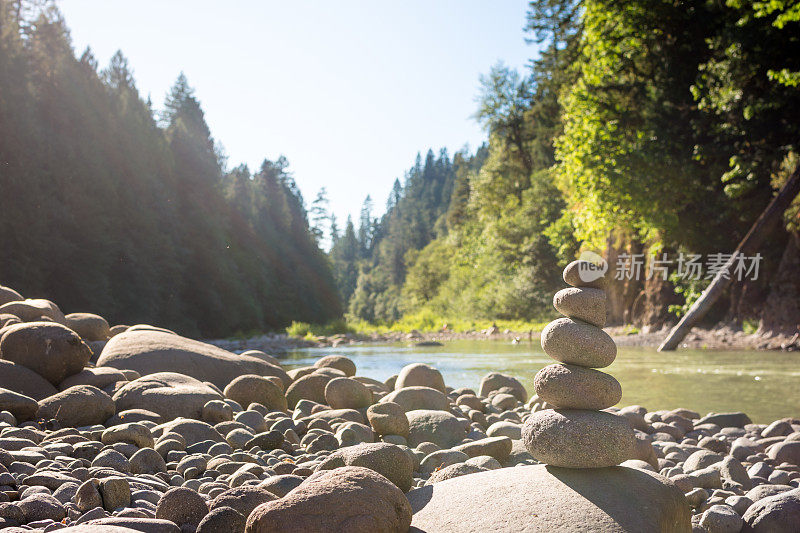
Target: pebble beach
(137,428)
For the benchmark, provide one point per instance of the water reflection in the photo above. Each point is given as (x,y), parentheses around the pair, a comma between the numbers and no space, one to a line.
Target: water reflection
(766,385)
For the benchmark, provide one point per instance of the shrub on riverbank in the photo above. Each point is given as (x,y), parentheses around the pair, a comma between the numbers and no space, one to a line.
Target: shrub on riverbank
(424,321)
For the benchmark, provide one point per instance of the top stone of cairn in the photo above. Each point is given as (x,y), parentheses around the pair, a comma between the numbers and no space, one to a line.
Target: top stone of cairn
(583,273)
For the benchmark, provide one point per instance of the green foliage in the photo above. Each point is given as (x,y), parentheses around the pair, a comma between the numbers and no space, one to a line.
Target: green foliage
(630,330)
(669,98)
(750,326)
(107,210)
(299,329)
(502,104)
(328,329)
(624,157)
(664,123)
(783,15)
(740,88)
(428,269)
(691,289)
(470,238)
(427,321)
(371,265)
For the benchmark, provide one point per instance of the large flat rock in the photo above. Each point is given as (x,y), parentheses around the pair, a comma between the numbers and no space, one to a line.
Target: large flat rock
(149,352)
(549,499)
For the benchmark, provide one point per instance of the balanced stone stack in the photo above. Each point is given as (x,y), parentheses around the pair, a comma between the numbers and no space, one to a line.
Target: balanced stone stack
(577,433)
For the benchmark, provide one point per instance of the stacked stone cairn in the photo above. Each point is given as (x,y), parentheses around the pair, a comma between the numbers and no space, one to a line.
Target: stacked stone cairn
(577,432)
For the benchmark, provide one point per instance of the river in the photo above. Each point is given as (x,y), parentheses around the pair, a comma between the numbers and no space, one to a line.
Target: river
(765,385)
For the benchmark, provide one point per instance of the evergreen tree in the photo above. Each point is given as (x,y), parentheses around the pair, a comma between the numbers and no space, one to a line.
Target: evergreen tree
(334,230)
(106,211)
(365,227)
(345,256)
(320,215)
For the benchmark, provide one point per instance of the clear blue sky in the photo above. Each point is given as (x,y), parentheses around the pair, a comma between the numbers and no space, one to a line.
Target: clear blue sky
(348,91)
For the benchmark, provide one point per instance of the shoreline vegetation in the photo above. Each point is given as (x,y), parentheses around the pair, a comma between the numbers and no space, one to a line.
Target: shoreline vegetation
(425,330)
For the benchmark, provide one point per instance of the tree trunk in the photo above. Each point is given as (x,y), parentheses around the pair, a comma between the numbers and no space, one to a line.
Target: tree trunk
(782,309)
(750,244)
(621,293)
(652,311)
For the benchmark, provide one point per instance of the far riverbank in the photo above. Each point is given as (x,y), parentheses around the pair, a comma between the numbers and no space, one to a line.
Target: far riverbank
(720,338)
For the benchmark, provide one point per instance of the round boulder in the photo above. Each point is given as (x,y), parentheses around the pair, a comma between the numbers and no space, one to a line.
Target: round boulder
(721,518)
(217,411)
(267,440)
(505,428)
(389,460)
(281,485)
(90,327)
(584,274)
(310,387)
(19,379)
(339,362)
(100,377)
(412,398)
(192,431)
(575,438)
(223,520)
(263,356)
(577,387)
(578,343)
(504,402)
(150,351)
(244,498)
(440,459)
(7,294)
(497,447)
(167,394)
(51,350)
(388,418)
(347,393)
(82,405)
(439,427)
(351,498)
(147,461)
(42,506)
(786,452)
(181,505)
(116,330)
(30,310)
(779,513)
(124,524)
(495,380)
(7,319)
(250,388)
(453,471)
(420,375)
(131,432)
(22,407)
(134,415)
(586,304)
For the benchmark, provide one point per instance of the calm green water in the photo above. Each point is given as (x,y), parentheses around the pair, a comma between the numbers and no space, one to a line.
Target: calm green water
(765,385)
